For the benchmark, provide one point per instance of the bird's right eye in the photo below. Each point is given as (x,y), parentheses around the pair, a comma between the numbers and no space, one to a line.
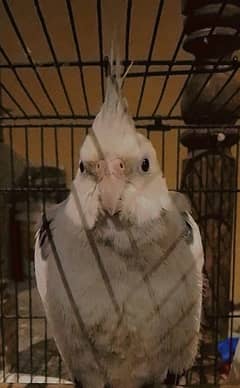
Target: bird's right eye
(81,166)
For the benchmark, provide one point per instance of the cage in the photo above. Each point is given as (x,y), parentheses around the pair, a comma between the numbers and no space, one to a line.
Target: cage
(183,90)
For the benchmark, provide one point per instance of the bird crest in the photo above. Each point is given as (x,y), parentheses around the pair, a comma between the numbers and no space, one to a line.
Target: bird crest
(113,118)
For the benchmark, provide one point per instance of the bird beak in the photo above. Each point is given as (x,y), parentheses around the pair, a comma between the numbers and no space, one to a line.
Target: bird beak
(111,189)
(111,184)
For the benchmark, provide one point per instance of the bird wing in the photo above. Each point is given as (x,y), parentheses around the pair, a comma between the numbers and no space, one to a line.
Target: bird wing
(43,248)
(184,338)
(181,201)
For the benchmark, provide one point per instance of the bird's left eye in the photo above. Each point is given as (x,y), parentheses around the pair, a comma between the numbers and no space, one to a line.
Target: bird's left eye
(81,166)
(145,165)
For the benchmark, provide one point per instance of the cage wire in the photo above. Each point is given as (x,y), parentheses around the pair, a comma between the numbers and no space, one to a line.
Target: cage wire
(183,90)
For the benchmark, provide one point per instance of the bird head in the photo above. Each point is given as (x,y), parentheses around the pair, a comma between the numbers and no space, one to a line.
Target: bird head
(119,174)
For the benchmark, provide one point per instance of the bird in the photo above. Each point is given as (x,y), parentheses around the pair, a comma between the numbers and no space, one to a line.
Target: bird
(119,262)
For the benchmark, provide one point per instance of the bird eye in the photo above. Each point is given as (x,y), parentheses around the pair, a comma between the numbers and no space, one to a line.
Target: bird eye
(145,165)
(81,166)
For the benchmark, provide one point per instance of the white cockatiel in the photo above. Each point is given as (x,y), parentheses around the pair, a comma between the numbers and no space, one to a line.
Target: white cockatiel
(119,262)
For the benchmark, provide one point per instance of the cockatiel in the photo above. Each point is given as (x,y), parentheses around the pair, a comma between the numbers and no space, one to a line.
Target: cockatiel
(119,262)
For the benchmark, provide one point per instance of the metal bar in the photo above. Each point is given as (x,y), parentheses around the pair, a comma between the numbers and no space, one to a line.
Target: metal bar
(2,358)
(59,368)
(56,146)
(234,236)
(92,117)
(128,26)
(50,46)
(201,369)
(143,125)
(238,107)
(152,44)
(63,189)
(42,168)
(228,100)
(100,40)
(96,254)
(73,27)
(26,52)
(140,74)
(178,160)
(181,92)
(29,250)
(73,305)
(218,271)
(14,100)
(21,83)
(4,111)
(24,317)
(198,95)
(163,153)
(43,210)
(179,44)
(222,89)
(13,204)
(40,385)
(45,351)
(172,72)
(230,64)
(45,117)
(72,151)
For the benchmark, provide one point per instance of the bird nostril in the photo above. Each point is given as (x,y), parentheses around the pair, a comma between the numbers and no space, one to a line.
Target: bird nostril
(121,165)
